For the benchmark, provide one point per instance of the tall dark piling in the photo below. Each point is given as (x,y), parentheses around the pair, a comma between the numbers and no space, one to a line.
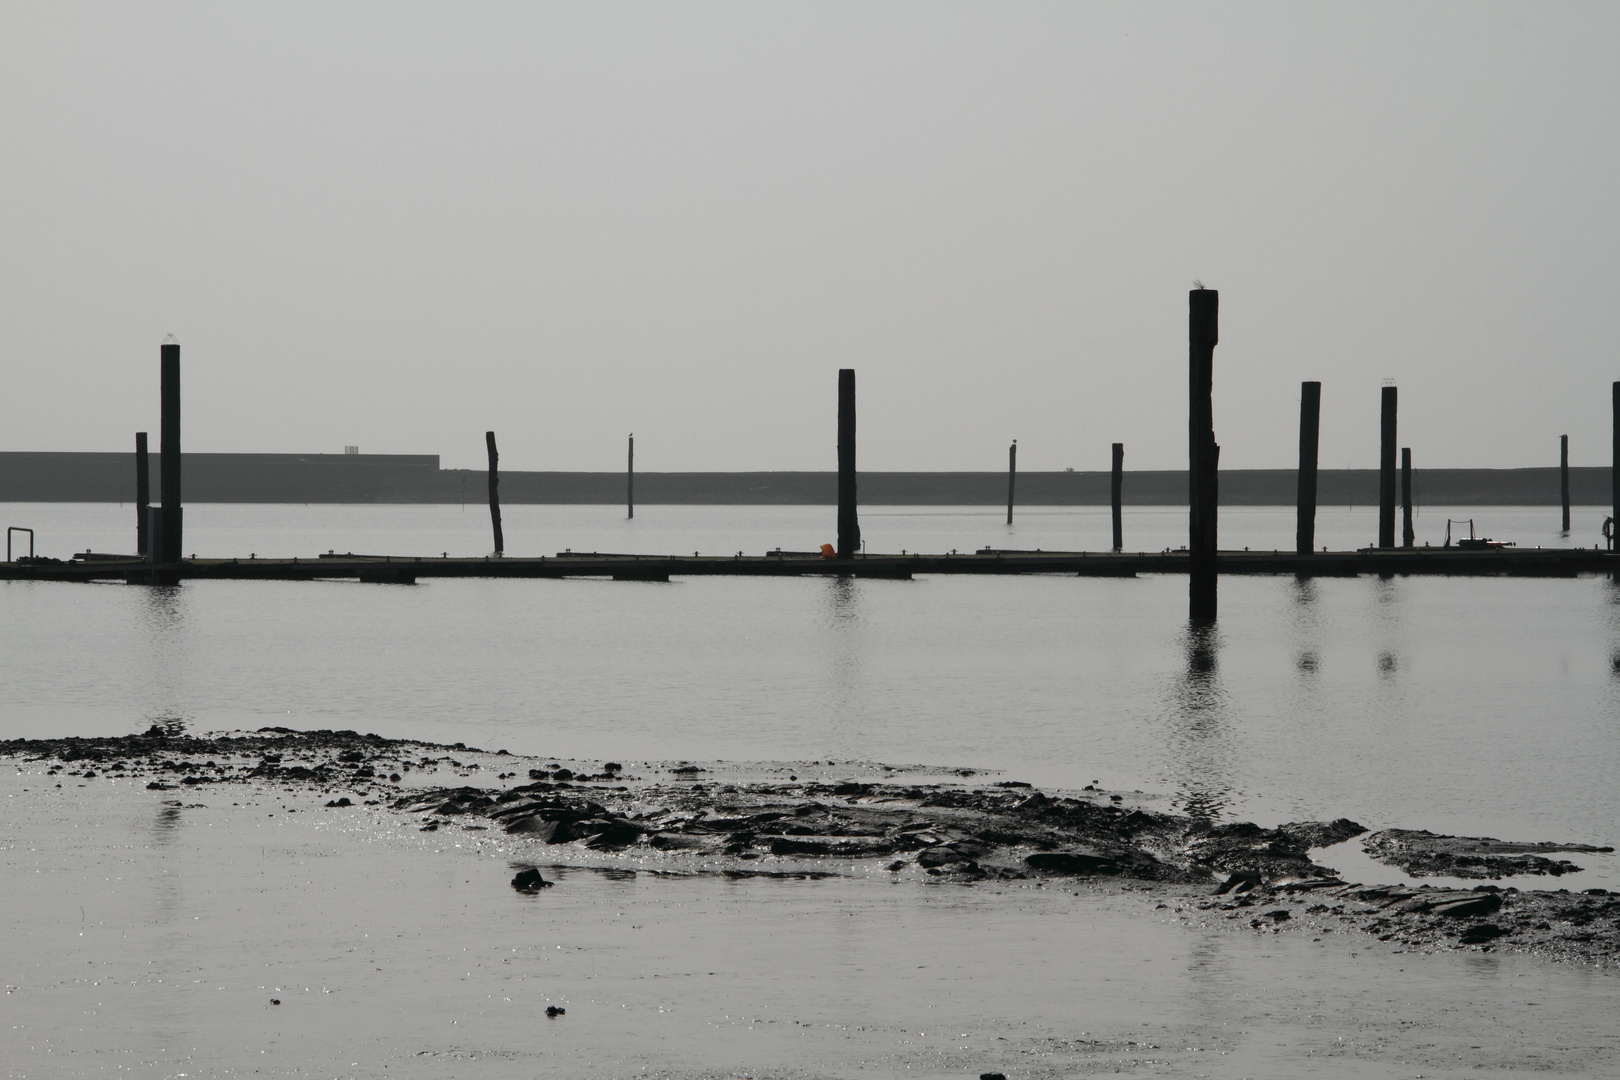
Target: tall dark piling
(849,525)
(1310,438)
(169,454)
(1614,471)
(1407,536)
(1203,332)
(1116,489)
(1563,477)
(1012,476)
(630,479)
(494,491)
(1386,469)
(143,494)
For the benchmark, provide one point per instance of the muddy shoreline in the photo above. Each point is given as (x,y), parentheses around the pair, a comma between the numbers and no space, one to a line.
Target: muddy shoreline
(901,822)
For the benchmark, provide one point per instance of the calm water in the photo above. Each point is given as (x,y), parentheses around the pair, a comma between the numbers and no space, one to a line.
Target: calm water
(1460,705)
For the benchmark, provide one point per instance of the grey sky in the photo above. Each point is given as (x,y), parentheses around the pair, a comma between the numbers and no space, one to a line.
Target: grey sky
(400,225)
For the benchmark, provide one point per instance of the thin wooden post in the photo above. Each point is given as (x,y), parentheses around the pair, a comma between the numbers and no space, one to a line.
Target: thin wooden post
(1386,469)
(494,492)
(1117,487)
(1310,432)
(169,453)
(1203,332)
(849,525)
(630,478)
(143,494)
(1012,476)
(1614,470)
(1407,536)
(1563,477)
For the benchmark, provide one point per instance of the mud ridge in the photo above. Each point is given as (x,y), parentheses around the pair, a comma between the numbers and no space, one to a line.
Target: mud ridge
(716,822)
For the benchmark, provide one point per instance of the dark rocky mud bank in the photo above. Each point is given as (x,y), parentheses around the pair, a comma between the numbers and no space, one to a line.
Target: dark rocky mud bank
(767,820)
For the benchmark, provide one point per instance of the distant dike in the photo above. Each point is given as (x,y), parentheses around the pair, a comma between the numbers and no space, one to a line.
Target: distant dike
(417,478)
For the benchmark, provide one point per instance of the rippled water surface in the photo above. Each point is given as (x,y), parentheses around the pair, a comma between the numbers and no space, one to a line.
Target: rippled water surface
(1465,705)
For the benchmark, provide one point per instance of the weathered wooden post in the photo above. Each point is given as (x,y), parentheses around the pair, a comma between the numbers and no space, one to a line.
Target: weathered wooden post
(1310,436)
(1117,487)
(1203,332)
(1614,470)
(849,526)
(494,493)
(169,454)
(630,478)
(143,494)
(1407,536)
(1386,469)
(1563,477)
(1012,476)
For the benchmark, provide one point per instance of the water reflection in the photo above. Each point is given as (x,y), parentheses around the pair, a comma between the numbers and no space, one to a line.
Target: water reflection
(163,623)
(845,700)
(1200,731)
(1304,615)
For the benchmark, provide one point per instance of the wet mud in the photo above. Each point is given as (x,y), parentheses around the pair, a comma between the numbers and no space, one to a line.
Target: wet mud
(950,829)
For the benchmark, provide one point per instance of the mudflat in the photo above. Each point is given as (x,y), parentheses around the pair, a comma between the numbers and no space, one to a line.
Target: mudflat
(285,901)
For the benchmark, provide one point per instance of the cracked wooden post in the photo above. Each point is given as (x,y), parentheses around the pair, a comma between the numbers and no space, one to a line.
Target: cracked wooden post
(1407,536)
(1116,488)
(1012,476)
(1386,469)
(169,454)
(494,492)
(143,495)
(1310,433)
(1203,332)
(849,525)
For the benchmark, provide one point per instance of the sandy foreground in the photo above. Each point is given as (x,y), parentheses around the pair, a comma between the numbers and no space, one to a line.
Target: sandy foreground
(197,908)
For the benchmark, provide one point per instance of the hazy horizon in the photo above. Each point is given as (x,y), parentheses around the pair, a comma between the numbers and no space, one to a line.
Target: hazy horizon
(398,226)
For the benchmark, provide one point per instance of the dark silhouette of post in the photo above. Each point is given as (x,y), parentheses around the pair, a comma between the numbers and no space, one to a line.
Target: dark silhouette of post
(1012,476)
(1563,477)
(1407,536)
(849,525)
(169,453)
(1614,471)
(1203,332)
(1310,437)
(494,491)
(1386,469)
(1116,487)
(143,494)
(630,478)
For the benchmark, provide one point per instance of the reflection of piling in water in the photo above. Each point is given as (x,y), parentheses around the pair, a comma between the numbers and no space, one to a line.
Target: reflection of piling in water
(1012,476)
(1117,487)
(143,495)
(1386,469)
(1310,428)
(169,454)
(1407,536)
(494,491)
(1563,477)
(849,526)
(1203,331)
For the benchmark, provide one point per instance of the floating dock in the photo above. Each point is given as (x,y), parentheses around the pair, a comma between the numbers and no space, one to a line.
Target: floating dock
(395,569)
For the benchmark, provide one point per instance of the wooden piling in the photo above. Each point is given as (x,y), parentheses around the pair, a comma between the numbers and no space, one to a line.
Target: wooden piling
(494,491)
(1407,536)
(169,453)
(1116,488)
(1386,469)
(1012,476)
(1614,471)
(143,494)
(1563,477)
(630,479)
(1203,332)
(849,526)
(1310,433)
